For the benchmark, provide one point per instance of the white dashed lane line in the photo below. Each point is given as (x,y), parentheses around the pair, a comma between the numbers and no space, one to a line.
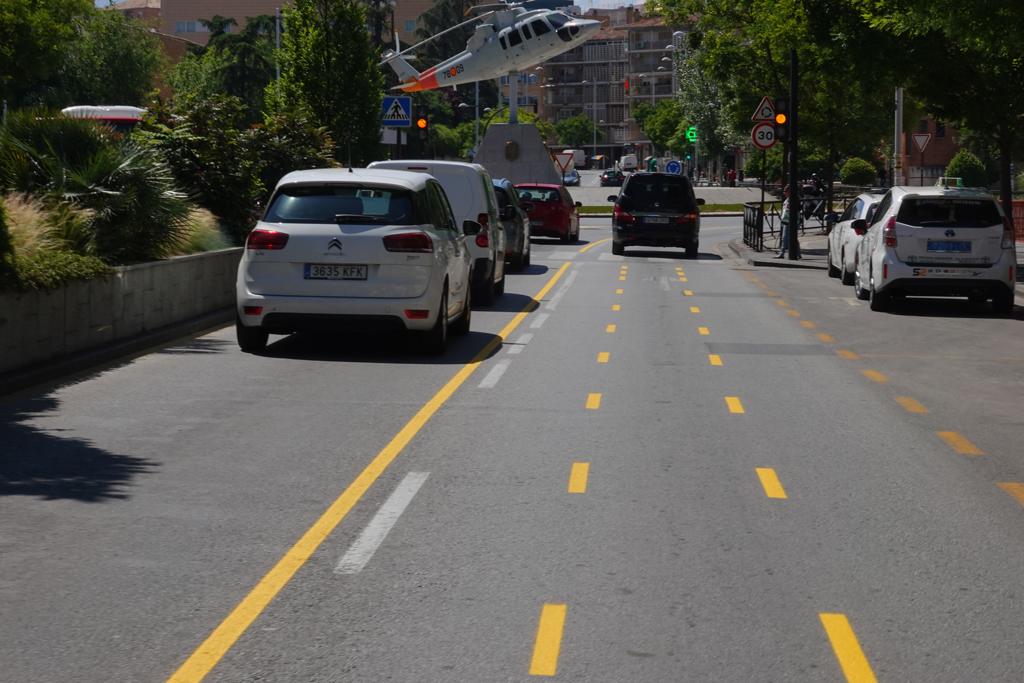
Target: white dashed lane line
(492,377)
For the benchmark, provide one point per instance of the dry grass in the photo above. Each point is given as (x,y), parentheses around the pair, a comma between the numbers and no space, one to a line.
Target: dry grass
(35,227)
(203,234)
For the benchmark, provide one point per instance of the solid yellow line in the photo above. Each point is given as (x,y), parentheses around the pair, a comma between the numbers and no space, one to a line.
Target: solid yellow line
(703,331)
(807,324)
(844,643)
(610,328)
(826,337)
(217,644)
(593,401)
(875,376)
(848,355)
(770,482)
(603,356)
(618,291)
(590,246)
(960,443)
(734,405)
(694,309)
(1015,489)
(687,292)
(714,359)
(548,641)
(911,405)
(616,307)
(792,313)
(578,477)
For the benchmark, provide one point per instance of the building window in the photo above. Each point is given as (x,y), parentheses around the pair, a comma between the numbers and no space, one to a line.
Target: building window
(179,27)
(410,25)
(940,129)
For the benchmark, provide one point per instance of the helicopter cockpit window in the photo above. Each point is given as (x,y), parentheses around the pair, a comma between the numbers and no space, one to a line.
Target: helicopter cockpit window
(501,39)
(526,31)
(557,19)
(514,38)
(539,27)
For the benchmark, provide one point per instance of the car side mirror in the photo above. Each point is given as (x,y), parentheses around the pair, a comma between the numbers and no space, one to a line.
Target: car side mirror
(860,226)
(506,213)
(579,204)
(470,228)
(700,201)
(612,197)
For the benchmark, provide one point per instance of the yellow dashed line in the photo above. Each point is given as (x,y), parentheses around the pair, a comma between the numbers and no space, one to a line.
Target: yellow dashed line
(847,355)
(734,404)
(714,359)
(911,405)
(703,331)
(826,338)
(616,307)
(781,302)
(687,292)
(578,477)
(807,324)
(618,291)
(603,357)
(1015,489)
(844,643)
(593,401)
(622,278)
(960,443)
(875,376)
(770,482)
(548,641)
(771,292)
(610,328)
(793,314)
(694,309)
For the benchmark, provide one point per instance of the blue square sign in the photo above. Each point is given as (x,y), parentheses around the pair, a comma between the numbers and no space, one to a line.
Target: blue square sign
(396,111)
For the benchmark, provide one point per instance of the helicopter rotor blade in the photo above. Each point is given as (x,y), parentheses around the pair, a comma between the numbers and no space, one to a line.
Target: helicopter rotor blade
(434,37)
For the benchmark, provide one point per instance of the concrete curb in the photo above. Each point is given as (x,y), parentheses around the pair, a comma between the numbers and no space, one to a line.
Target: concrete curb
(754,258)
(65,368)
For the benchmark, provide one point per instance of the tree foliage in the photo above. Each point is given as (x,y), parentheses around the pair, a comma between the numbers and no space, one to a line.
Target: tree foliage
(576,131)
(969,168)
(857,172)
(666,126)
(330,71)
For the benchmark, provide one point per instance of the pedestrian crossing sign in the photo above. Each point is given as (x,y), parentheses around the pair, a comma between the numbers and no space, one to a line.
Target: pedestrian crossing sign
(396,111)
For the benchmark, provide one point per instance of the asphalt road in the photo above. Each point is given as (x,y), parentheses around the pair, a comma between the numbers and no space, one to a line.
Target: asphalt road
(666,470)
(590,192)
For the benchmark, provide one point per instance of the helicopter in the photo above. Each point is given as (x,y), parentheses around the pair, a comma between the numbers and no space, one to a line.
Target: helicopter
(509,38)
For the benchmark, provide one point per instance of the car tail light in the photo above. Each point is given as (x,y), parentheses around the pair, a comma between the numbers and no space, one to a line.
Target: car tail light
(252,310)
(687,218)
(889,233)
(409,241)
(1008,237)
(268,240)
(620,216)
(416,313)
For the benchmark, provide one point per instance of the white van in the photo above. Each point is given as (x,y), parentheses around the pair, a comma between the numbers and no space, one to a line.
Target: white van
(471,195)
(628,162)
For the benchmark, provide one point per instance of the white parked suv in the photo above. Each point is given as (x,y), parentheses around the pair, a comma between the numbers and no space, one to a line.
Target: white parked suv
(355,250)
(471,193)
(843,240)
(937,241)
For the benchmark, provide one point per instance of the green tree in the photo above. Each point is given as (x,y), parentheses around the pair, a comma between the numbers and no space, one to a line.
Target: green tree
(330,71)
(34,37)
(969,168)
(857,172)
(576,131)
(666,127)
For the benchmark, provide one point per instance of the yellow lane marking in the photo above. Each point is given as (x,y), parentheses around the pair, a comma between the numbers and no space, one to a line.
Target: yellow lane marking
(848,355)
(714,359)
(622,278)
(770,482)
(875,376)
(683,279)
(603,356)
(911,405)
(781,302)
(807,324)
(616,307)
(578,477)
(694,309)
(548,641)
(793,314)
(593,401)
(217,644)
(844,643)
(1014,488)
(687,292)
(703,331)
(826,337)
(771,293)
(960,443)
(618,291)
(734,405)
(610,328)
(594,244)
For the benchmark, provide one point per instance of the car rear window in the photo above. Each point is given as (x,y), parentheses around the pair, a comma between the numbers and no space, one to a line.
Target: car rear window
(659,193)
(538,194)
(948,212)
(323,203)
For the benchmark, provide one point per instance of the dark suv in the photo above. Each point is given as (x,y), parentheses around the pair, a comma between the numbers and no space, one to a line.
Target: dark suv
(656,210)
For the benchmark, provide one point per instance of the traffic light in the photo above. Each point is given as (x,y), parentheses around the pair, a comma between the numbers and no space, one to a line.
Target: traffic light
(422,124)
(691,133)
(781,119)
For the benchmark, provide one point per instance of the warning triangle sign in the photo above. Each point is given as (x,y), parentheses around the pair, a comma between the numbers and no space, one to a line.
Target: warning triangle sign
(395,112)
(765,110)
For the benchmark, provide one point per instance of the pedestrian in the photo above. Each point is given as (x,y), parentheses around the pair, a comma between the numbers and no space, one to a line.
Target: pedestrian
(881,177)
(787,220)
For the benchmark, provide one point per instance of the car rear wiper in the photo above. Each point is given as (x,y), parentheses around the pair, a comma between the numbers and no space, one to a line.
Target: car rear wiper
(358,218)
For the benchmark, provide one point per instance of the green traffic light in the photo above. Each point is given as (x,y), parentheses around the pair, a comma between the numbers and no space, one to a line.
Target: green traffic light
(691,133)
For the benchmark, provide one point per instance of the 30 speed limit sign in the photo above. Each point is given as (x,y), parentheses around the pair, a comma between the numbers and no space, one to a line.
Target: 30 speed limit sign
(763,135)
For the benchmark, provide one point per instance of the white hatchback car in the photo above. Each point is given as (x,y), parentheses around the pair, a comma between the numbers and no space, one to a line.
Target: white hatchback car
(843,240)
(937,241)
(471,193)
(355,250)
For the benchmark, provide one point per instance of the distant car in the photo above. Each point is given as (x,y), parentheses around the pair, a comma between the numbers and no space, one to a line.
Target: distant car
(843,240)
(471,194)
(658,210)
(612,178)
(554,213)
(355,251)
(516,220)
(571,177)
(628,162)
(937,241)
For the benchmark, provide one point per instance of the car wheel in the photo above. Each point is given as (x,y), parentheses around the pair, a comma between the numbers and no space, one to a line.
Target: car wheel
(832,270)
(485,294)
(499,286)
(693,250)
(859,290)
(529,250)
(461,326)
(845,276)
(517,262)
(617,248)
(567,237)
(250,339)
(436,339)
(877,301)
(1002,302)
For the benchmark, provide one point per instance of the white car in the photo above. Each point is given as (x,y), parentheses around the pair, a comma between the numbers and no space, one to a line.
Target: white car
(355,250)
(471,192)
(843,240)
(937,241)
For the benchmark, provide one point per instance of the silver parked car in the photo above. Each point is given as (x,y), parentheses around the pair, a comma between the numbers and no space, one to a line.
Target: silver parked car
(843,240)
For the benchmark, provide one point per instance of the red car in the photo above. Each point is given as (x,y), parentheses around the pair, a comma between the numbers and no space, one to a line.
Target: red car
(554,213)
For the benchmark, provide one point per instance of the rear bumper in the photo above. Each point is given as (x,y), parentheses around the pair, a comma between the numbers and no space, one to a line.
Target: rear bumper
(288,314)
(948,280)
(549,229)
(680,236)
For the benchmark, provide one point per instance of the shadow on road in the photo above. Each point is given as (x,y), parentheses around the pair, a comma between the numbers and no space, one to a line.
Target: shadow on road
(532,269)
(394,349)
(39,463)
(510,303)
(203,345)
(679,255)
(948,308)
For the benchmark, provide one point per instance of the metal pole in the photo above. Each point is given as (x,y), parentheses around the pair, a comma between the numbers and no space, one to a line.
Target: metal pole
(476,120)
(593,153)
(794,173)
(897,140)
(277,41)
(513,98)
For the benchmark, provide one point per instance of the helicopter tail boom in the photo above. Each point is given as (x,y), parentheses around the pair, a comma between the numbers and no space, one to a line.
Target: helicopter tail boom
(401,67)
